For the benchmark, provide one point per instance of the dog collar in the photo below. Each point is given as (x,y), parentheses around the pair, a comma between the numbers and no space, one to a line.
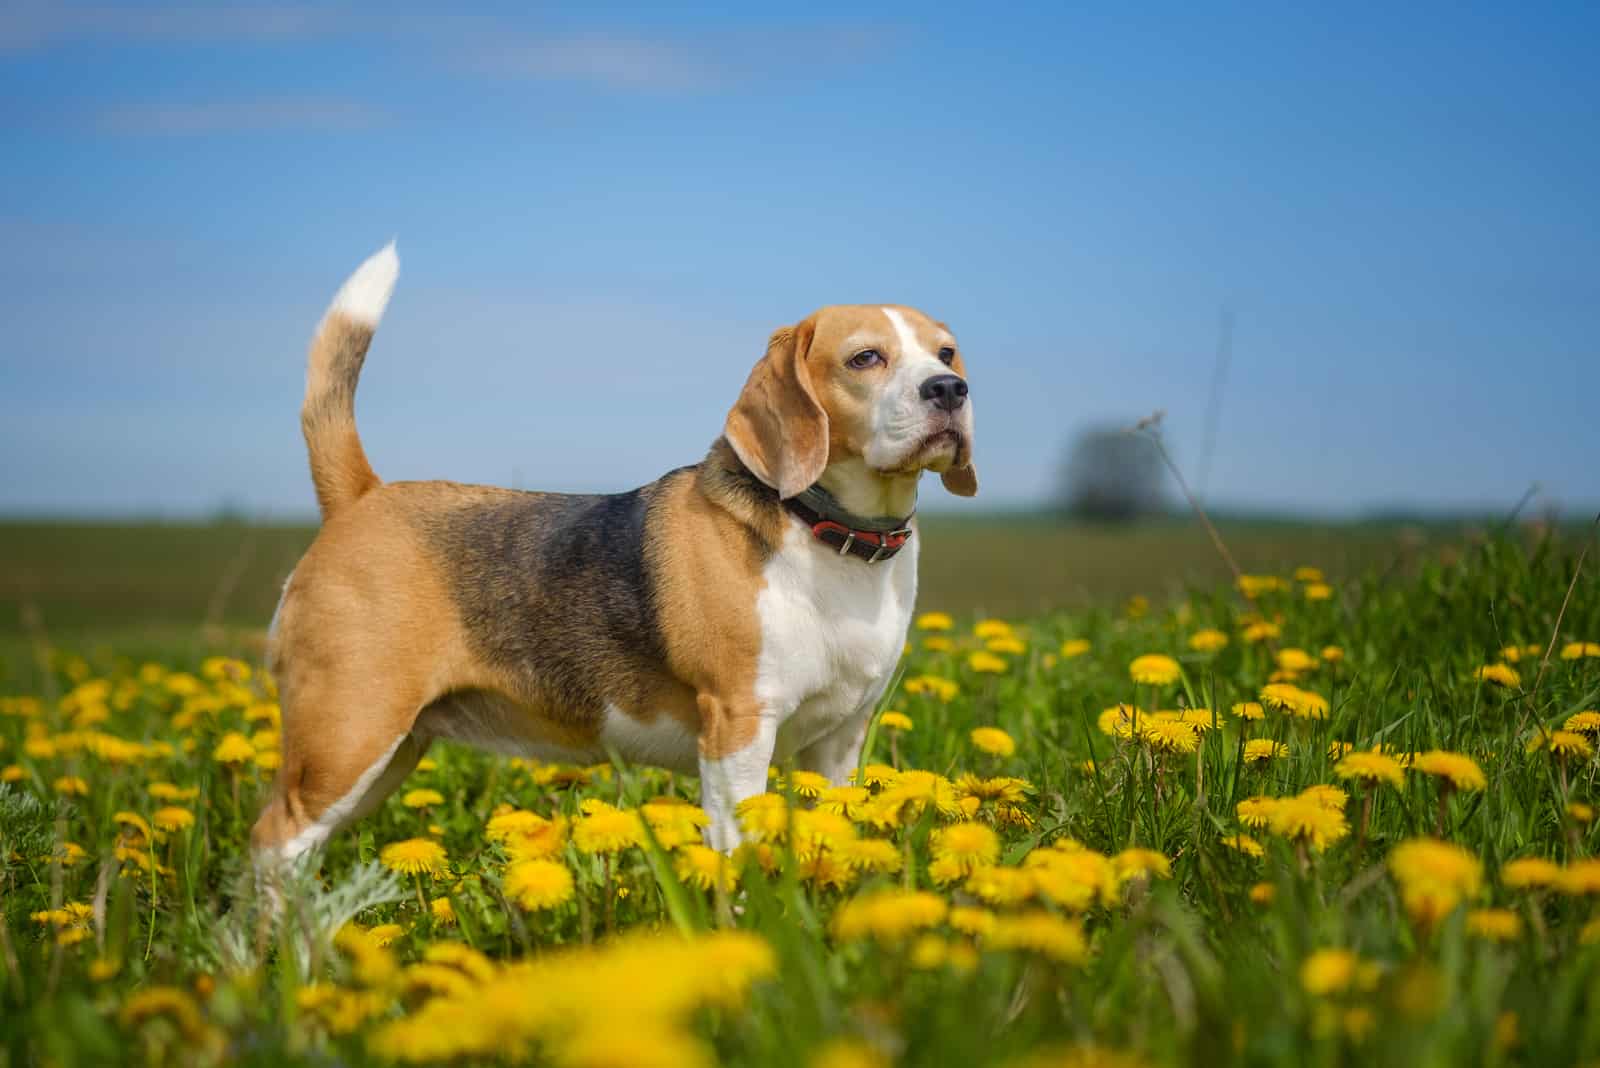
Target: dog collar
(871,539)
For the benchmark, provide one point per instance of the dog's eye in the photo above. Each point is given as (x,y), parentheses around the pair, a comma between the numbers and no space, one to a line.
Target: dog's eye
(865,358)
(946,355)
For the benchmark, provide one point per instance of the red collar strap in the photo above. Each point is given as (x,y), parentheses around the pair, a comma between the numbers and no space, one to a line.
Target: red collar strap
(852,536)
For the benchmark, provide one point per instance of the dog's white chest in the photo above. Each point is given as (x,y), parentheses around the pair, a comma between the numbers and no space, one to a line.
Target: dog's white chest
(832,631)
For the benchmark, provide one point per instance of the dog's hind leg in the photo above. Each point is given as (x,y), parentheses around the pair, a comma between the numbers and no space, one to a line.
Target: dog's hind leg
(325,784)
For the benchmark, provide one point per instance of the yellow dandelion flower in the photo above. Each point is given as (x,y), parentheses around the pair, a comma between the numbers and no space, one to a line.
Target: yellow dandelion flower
(1318,591)
(507,822)
(1045,933)
(1169,735)
(878,775)
(1260,631)
(1494,925)
(1499,674)
(1133,863)
(1581,812)
(172,818)
(414,856)
(993,740)
(1289,698)
(1329,797)
(537,885)
(1074,879)
(1003,789)
(1153,669)
(966,845)
(12,773)
(1332,654)
(938,643)
(933,686)
(385,934)
(1529,873)
(971,920)
(541,841)
(1256,812)
(808,784)
(1579,650)
(1580,878)
(234,749)
(1434,877)
(1261,750)
(1563,743)
(1296,660)
(444,911)
(675,822)
(1328,971)
(992,628)
(1308,574)
(888,916)
(1010,645)
(1243,843)
(705,868)
(1118,721)
(1461,771)
(1305,820)
(1208,641)
(133,822)
(1249,710)
(895,721)
(987,663)
(934,621)
(814,830)
(1001,887)
(1074,647)
(608,830)
(844,801)
(1263,893)
(1371,767)
(1585,722)
(875,855)
(71,786)
(164,1001)
(423,798)
(1253,586)
(916,788)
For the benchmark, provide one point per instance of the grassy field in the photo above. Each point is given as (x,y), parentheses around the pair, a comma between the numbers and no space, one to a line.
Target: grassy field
(1347,819)
(120,579)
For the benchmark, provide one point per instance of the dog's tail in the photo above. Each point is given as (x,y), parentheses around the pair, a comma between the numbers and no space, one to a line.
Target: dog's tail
(339,466)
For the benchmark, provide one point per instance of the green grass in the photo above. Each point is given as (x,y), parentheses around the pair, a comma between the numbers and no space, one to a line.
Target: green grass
(1191,968)
(84,578)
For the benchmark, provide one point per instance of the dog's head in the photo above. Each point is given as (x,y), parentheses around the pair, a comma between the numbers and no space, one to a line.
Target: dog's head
(881,383)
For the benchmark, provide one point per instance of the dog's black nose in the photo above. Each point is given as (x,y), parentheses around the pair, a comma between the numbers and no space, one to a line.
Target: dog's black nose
(946,391)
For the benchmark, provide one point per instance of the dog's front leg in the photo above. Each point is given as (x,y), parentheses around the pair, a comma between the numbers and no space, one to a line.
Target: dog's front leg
(836,754)
(736,740)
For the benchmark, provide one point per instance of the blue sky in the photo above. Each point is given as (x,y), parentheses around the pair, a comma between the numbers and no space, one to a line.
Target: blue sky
(602,211)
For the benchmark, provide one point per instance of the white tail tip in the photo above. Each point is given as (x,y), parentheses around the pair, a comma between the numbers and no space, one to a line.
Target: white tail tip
(365,294)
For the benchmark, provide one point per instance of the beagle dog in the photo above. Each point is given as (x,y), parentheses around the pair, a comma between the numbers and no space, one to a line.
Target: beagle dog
(746,610)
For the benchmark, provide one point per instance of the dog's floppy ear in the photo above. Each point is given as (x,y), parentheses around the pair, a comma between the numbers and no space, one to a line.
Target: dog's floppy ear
(962,481)
(778,427)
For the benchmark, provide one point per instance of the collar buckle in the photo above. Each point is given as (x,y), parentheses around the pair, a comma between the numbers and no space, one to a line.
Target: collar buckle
(889,544)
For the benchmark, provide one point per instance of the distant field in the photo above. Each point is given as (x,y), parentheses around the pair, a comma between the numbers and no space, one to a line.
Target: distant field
(91,581)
